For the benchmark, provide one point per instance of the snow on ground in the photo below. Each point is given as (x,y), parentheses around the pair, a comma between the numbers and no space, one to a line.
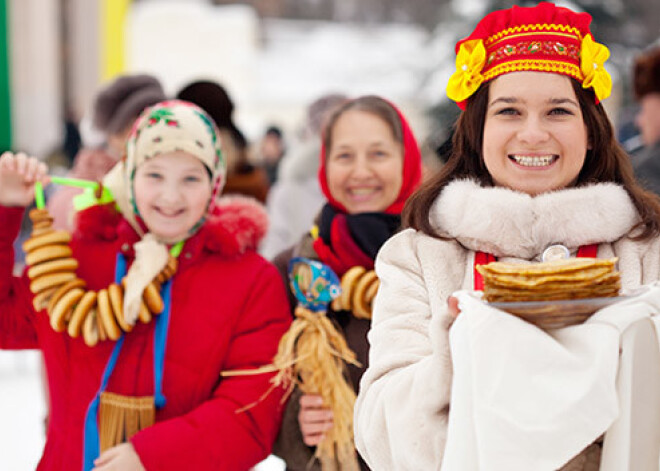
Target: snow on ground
(22,411)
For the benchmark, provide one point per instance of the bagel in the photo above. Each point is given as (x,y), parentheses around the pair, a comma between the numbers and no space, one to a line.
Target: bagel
(38,213)
(335,305)
(80,313)
(152,299)
(360,306)
(99,323)
(90,331)
(44,254)
(53,266)
(52,238)
(41,231)
(50,281)
(43,223)
(63,308)
(62,290)
(144,314)
(348,282)
(40,300)
(104,310)
(116,295)
(170,268)
(371,291)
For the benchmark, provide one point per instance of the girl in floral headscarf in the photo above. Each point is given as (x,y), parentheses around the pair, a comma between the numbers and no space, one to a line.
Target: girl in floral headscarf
(534,164)
(224,308)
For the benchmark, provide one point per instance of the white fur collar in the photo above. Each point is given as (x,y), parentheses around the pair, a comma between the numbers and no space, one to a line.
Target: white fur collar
(508,223)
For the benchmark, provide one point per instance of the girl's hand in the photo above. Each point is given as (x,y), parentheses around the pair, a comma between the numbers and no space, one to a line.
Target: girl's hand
(314,419)
(121,458)
(452,307)
(18,174)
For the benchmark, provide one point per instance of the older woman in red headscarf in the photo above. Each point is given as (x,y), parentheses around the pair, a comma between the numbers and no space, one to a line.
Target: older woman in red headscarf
(370,165)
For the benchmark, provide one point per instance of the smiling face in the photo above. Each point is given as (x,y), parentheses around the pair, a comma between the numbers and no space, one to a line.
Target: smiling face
(364,163)
(535,139)
(172,191)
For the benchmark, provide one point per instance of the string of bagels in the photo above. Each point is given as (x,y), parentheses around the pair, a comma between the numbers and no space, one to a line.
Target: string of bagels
(358,290)
(72,307)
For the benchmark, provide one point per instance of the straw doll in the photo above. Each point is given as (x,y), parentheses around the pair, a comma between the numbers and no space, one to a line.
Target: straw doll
(154,295)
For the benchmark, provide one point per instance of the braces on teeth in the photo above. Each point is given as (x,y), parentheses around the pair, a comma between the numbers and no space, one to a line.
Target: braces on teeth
(534,161)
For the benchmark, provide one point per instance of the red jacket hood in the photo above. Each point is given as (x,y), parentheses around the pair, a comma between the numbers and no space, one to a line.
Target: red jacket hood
(235,225)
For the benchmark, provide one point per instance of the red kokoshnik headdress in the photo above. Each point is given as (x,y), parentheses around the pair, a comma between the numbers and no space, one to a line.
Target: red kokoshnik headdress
(544,38)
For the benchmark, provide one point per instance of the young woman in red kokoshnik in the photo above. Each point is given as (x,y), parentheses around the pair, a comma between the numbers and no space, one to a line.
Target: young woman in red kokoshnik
(534,164)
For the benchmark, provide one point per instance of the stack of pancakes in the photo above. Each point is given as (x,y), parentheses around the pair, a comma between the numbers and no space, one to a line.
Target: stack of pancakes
(573,278)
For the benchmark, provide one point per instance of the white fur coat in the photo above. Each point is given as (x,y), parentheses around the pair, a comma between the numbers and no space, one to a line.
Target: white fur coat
(402,407)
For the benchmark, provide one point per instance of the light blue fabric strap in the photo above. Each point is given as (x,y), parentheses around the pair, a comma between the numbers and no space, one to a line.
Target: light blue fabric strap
(160,341)
(91,448)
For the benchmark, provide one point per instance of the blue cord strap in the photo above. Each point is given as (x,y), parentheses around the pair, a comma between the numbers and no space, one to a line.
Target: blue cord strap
(91,447)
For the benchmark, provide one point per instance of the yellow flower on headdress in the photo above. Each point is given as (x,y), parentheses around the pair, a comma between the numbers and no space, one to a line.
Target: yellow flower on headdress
(470,62)
(592,60)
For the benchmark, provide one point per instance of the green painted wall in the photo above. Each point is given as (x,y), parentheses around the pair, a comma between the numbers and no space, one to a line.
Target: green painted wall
(5,94)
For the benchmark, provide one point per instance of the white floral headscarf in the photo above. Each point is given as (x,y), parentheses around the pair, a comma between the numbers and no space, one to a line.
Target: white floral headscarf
(169,126)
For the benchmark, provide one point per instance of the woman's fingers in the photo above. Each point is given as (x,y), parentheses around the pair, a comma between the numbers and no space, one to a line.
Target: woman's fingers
(18,174)
(314,419)
(311,401)
(7,162)
(452,307)
(21,163)
(30,168)
(316,416)
(314,432)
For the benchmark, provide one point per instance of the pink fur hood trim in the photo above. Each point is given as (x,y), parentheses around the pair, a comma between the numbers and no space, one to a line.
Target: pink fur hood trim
(236,225)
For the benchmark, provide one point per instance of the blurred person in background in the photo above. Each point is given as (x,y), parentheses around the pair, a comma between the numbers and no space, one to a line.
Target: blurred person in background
(369,164)
(115,109)
(242,177)
(646,83)
(296,198)
(271,151)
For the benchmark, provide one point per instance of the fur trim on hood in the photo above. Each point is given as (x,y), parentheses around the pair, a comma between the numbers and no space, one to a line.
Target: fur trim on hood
(236,225)
(509,223)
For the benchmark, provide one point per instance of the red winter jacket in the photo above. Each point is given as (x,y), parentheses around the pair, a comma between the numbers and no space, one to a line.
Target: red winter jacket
(229,309)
